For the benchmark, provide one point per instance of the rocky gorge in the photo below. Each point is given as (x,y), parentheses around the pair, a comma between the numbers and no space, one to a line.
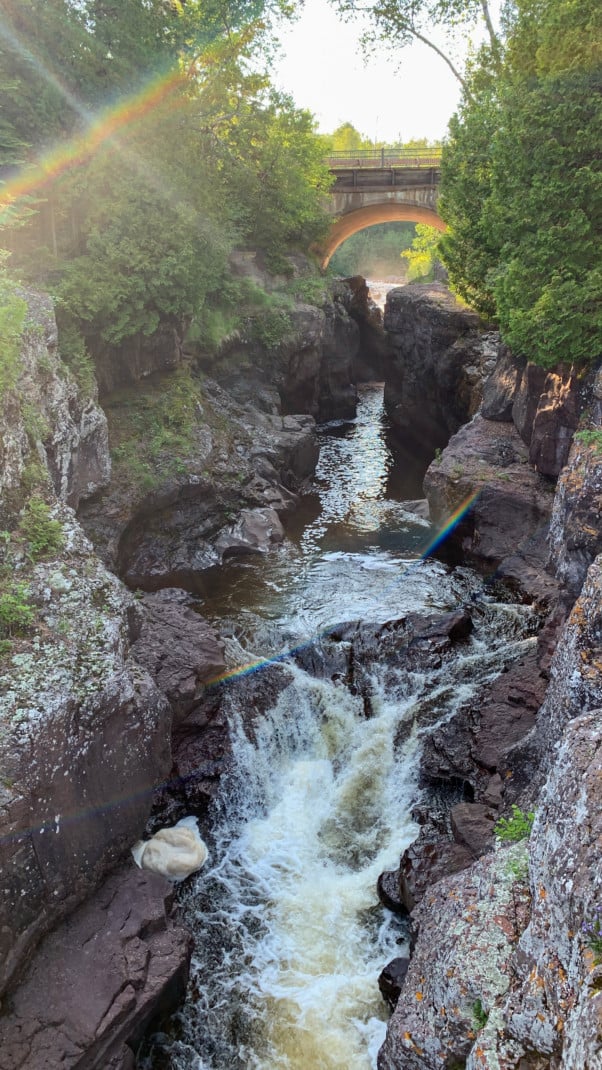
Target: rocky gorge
(113,713)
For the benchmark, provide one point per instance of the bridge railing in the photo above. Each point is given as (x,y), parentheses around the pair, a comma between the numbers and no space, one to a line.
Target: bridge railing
(343,159)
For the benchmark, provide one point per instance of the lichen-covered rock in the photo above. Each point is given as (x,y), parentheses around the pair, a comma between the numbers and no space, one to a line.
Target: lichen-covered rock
(98,980)
(84,739)
(440,360)
(46,419)
(556,1009)
(468,925)
(575,532)
(575,671)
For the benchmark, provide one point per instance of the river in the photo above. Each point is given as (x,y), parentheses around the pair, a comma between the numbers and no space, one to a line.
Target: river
(289,934)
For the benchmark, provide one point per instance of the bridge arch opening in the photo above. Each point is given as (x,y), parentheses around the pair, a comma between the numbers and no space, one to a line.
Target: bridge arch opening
(370,216)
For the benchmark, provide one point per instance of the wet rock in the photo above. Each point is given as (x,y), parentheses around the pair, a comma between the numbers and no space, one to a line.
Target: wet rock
(499,391)
(179,649)
(482,735)
(508,520)
(434,381)
(318,378)
(388,891)
(202,742)
(391,979)
(472,826)
(255,531)
(371,362)
(575,532)
(241,462)
(98,980)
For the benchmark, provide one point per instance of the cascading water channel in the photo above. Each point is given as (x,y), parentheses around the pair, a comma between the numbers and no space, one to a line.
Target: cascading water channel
(289,935)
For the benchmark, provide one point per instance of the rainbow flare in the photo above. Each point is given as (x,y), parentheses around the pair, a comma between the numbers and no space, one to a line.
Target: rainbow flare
(262,663)
(104,128)
(52,826)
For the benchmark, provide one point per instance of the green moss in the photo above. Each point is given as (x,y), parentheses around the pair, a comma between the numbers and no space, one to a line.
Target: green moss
(479,1014)
(590,437)
(153,432)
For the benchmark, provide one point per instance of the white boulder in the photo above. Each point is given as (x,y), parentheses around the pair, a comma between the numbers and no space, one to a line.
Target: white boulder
(175,852)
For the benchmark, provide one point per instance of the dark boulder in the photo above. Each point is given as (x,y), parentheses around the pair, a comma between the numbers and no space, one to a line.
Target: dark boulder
(426,861)
(180,650)
(473,826)
(388,891)
(392,978)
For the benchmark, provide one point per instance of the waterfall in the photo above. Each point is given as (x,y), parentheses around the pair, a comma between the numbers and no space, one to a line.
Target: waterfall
(289,935)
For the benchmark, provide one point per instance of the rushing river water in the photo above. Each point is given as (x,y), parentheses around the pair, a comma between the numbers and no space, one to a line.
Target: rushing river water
(289,935)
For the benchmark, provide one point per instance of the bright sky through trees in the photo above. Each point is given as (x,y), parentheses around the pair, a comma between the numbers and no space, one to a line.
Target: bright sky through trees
(410,94)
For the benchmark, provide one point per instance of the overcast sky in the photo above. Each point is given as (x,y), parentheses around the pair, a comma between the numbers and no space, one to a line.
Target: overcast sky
(321,65)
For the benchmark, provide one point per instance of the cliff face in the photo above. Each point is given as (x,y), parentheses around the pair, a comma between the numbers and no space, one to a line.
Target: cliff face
(440,359)
(505,971)
(47,419)
(84,732)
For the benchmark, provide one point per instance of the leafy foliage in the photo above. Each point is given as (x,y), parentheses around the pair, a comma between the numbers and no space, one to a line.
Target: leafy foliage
(590,437)
(375,251)
(43,535)
(138,228)
(398,23)
(522,185)
(422,254)
(592,932)
(12,318)
(479,1014)
(17,615)
(516,827)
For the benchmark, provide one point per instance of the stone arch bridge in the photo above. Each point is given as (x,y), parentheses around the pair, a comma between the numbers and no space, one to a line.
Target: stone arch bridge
(374,187)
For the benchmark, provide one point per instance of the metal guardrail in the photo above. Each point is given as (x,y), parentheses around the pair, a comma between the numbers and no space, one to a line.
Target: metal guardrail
(428,157)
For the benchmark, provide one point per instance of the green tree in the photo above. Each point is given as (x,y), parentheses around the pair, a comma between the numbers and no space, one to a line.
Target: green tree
(522,184)
(374,252)
(138,228)
(469,247)
(423,252)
